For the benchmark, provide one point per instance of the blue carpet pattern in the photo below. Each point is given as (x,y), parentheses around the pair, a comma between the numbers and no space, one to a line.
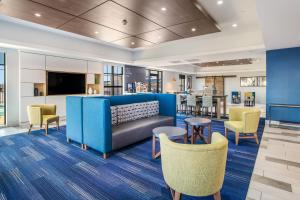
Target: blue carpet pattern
(39,167)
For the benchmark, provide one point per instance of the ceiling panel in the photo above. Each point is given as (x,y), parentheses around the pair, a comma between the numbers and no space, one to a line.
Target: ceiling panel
(175,12)
(132,42)
(89,29)
(195,28)
(244,61)
(26,10)
(111,15)
(159,36)
(74,7)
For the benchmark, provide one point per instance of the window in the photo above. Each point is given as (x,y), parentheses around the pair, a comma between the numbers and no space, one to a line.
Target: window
(255,81)
(113,80)
(154,80)
(182,82)
(2,88)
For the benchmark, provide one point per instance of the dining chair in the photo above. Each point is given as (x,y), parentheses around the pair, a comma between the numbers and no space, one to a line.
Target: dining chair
(207,102)
(191,104)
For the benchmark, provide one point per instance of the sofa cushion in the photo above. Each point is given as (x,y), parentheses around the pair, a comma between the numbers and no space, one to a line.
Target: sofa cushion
(153,108)
(135,131)
(141,110)
(114,115)
(126,113)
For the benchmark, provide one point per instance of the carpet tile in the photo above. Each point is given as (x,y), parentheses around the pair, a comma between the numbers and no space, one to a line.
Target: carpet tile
(47,167)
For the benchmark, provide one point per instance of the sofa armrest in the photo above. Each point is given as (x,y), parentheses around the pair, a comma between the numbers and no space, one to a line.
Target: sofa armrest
(167,105)
(97,130)
(74,118)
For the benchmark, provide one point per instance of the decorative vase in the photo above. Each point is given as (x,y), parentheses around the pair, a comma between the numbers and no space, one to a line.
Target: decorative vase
(95,91)
(90,91)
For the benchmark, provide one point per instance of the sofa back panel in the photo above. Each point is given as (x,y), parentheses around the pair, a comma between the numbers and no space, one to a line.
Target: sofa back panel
(167,105)
(97,124)
(128,99)
(74,118)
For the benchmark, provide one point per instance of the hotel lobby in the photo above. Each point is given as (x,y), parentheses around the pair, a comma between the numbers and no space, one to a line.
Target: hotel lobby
(148,100)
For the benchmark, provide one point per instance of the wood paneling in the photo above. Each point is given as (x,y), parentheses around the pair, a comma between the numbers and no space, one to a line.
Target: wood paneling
(111,15)
(26,10)
(217,82)
(132,42)
(89,29)
(246,61)
(104,19)
(201,27)
(159,36)
(74,7)
(177,11)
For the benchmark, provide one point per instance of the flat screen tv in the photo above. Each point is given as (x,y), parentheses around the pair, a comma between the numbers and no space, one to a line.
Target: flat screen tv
(60,83)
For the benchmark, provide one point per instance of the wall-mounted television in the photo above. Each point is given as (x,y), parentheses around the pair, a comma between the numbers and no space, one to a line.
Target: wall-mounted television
(61,83)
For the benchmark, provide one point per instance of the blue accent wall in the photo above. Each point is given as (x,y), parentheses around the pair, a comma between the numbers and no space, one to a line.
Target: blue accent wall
(283,83)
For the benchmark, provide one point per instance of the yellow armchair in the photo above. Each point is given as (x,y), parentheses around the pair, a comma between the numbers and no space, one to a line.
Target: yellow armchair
(196,170)
(243,120)
(42,114)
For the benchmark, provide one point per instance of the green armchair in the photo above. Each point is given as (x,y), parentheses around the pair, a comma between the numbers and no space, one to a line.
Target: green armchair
(42,114)
(243,120)
(196,170)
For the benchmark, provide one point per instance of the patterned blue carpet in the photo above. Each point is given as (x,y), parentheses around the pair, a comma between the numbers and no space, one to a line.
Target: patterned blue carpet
(39,167)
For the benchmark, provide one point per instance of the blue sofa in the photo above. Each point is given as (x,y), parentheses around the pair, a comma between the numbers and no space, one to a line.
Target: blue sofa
(89,120)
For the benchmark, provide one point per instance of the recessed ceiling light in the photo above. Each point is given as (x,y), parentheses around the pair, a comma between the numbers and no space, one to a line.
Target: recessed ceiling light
(163,9)
(193,29)
(96,32)
(159,37)
(132,43)
(234,25)
(220,2)
(37,14)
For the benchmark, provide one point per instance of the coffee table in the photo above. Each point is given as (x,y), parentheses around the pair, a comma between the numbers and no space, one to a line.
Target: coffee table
(172,132)
(198,125)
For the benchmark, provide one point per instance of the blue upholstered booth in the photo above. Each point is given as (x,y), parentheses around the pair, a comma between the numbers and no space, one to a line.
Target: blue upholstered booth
(95,129)
(74,119)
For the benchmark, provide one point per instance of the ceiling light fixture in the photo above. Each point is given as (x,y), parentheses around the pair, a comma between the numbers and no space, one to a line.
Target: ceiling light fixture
(220,2)
(234,25)
(37,14)
(132,43)
(193,29)
(163,9)
(96,32)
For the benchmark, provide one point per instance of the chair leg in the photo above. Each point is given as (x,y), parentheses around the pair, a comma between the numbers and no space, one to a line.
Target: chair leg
(226,132)
(256,138)
(237,135)
(177,196)
(46,129)
(105,155)
(57,124)
(68,140)
(29,130)
(217,196)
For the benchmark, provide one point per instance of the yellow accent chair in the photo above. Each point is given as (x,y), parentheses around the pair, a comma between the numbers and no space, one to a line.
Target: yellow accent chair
(42,114)
(243,120)
(195,170)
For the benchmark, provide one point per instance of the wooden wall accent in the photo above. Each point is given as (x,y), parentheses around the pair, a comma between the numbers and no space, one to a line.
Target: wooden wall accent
(218,82)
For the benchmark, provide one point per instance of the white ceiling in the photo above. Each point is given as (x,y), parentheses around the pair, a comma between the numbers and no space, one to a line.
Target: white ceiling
(280,23)
(245,38)
(241,12)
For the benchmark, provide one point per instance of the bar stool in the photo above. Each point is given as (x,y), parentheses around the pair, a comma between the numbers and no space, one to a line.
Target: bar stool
(191,103)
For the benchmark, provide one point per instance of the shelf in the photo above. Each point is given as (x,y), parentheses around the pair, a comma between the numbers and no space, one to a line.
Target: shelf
(39,89)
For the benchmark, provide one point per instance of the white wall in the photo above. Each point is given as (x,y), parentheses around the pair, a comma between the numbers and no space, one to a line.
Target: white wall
(233,84)
(28,36)
(33,69)
(12,87)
